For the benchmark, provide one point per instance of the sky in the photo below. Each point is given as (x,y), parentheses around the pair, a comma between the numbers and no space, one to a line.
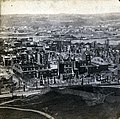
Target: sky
(59,6)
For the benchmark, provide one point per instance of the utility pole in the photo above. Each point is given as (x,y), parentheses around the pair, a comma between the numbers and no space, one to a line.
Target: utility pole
(82,80)
(24,86)
(0,85)
(11,86)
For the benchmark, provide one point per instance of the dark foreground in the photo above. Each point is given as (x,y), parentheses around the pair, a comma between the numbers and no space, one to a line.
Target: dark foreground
(65,106)
(13,114)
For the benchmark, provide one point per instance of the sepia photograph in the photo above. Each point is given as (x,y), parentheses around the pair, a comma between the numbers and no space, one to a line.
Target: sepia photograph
(59,59)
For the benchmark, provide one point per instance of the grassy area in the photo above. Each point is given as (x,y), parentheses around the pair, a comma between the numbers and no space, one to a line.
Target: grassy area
(70,107)
(13,114)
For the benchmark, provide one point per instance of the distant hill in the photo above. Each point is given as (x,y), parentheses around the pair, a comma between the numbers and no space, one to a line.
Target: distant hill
(59,19)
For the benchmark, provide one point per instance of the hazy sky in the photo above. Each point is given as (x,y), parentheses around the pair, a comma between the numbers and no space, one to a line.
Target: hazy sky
(59,6)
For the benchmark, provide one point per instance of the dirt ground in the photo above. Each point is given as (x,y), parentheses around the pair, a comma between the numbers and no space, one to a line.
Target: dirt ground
(65,106)
(13,114)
